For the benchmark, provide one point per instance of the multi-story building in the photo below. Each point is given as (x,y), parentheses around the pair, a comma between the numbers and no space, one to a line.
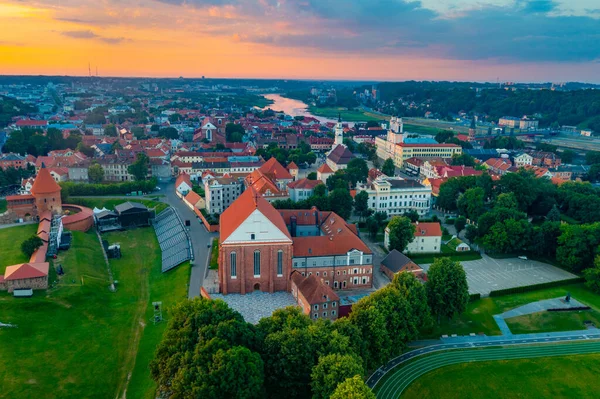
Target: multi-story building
(302,189)
(399,148)
(395,196)
(427,239)
(523,159)
(317,300)
(12,161)
(518,123)
(220,192)
(320,143)
(116,168)
(261,246)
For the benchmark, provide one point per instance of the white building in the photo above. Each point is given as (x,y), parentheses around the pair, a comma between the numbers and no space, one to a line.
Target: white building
(395,196)
(427,239)
(302,189)
(220,192)
(523,159)
(183,184)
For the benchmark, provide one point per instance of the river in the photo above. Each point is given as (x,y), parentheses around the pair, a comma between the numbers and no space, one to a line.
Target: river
(293,107)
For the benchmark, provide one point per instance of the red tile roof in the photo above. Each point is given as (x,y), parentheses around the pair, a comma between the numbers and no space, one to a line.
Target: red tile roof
(44,183)
(325,169)
(427,229)
(26,270)
(304,184)
(292,165)
(272,166)
(183,177)
(241,209)
(313,290)
(192,197)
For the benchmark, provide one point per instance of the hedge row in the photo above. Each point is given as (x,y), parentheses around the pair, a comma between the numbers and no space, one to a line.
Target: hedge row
(124,188)
(459,256)
(536,287)
(474,297)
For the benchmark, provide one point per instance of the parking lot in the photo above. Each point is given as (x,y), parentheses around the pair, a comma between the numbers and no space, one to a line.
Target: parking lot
(488,274)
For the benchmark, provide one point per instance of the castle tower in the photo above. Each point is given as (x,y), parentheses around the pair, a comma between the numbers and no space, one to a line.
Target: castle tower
(339,132)
(46,192)
(396,131)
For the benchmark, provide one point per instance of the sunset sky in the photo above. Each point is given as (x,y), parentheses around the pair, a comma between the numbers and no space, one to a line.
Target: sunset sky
(513,40)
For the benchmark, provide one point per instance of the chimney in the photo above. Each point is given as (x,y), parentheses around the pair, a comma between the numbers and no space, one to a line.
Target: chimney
(417,223)
(293,224)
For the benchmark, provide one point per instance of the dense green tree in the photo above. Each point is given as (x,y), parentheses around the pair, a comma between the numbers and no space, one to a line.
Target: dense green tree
(544,239)
(312,176)
(497,215)
(16,142)
(357,171)
(412,215)
(340,202)
(471,233)
(388,168)
(414,292)
(508,236)
(331,371)
(460,224)
(592,157)
(139,132)
(506,200)
(353,388)
(168,133)
(30,245)
(576,245)
(472,203)
(567,156)
(372,226)
(110,130)
(139,168)
(337,180)
(234,133)
(592,276)
(593,174)
(361,204)
(553,215)
(87,151)
(486,183)
(401,233)
(95,173)
(447,288)
(236,373)
(463,159)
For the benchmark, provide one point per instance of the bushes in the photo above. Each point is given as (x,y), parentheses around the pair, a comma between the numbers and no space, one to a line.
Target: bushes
(474,297)
(535,287)
(460,256)
(109,189)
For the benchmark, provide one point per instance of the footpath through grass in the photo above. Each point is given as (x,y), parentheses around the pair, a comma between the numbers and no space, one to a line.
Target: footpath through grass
(81,340)
(549,377)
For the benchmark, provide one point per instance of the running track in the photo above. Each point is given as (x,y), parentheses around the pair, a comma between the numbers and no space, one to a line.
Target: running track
(402,377)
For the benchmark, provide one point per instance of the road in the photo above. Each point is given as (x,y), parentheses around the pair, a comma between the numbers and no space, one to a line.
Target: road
(536,346)
(200,237)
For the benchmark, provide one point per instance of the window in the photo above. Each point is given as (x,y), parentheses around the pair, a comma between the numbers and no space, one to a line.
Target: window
(325,305)
(257,263)
(280,263)
(233,264)
(252,236)
(335,284)
(324,314)
(333,312)
(317,274)
(324,274)
(333,304)
(344,284)
(316,307)
(316,315)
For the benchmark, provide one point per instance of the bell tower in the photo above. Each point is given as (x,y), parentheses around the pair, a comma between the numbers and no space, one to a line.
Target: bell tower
(339,132)
(396,132)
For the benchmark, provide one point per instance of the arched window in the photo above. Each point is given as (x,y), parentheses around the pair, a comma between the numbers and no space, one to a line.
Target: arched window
(257,263)
(280,262)
(233,264)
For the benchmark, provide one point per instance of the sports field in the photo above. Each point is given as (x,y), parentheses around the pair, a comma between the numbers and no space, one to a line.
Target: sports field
(542,371)
(81,340)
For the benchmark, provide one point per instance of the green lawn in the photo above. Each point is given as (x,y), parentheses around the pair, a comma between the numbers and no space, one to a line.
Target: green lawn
(550,377)
(214,255)
(109,203)
(479,314)
(3,205)
(10,245)
(421,129)
(552,321)
(81,340)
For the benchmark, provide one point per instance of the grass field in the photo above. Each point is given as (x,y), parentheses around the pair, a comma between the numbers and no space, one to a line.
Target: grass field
(10,245)
(109,203)
(81,340)
(550,377)
(552,321)
(421,129)
(479,314)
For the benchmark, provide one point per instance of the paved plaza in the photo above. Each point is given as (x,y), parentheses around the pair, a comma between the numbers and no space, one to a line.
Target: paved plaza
(256,305)
(489,274)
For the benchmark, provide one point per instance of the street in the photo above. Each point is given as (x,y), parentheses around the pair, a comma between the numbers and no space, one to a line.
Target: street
(198,234)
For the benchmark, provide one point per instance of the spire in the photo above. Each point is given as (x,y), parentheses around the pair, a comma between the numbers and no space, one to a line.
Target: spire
(339,117)
(473,123)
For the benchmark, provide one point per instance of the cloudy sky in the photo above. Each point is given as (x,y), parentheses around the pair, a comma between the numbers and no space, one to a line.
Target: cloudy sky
(482,40)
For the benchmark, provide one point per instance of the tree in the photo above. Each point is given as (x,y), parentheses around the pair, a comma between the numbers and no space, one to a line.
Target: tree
(139,168)
(357,171)
(320,190)
(460,224)
(508,236)
(447,288)
(237,373)
(110,130)
(471,233)
(412,215)
(340,202)
(30,245)
(592,276)
(463,159)
(139,132)
(388,168)
(553,215)
(401,232)
(567,156)
(506,200)
(592,157)
(95,173)
(168,133)
(372,226)
(87,151)
(234,133)
(331,371)
(414,292)
(353,388)
(361,204)
(472,203)
(312,176)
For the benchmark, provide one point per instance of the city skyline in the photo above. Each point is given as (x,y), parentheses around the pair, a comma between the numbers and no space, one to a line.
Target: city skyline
(467,40)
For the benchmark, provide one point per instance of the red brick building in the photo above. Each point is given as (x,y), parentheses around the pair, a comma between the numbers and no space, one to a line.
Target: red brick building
(316,299)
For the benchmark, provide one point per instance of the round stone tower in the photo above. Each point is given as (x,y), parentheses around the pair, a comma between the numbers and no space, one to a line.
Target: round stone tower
(46,193)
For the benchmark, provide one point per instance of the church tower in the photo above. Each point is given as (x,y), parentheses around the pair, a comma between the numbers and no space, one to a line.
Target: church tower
(396,132)
(472,130)
(339,132)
